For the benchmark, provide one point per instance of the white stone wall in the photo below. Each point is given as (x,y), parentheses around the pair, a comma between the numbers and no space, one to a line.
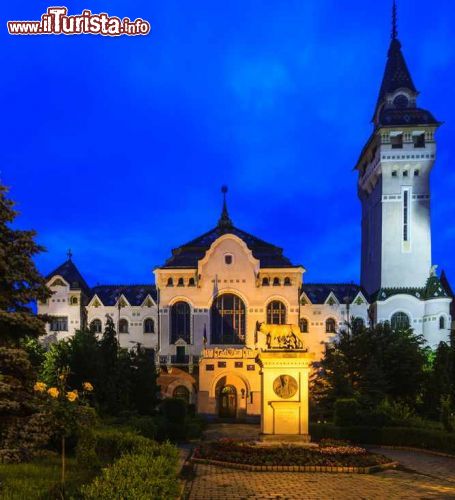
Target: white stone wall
(135,315)
(387,260)
(60,305)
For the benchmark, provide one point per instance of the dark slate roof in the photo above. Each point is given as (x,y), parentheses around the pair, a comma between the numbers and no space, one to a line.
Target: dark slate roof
(134,294)
(70,273)
(188,255)
(397,76)
(407,116)
(396,73)
(319,292)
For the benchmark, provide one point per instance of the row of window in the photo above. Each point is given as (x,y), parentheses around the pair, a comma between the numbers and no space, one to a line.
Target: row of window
(148,326)
(405,173)
(228,319)
(418,140)
(265,282)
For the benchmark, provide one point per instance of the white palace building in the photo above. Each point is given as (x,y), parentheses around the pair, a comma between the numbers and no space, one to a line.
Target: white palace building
(200,317)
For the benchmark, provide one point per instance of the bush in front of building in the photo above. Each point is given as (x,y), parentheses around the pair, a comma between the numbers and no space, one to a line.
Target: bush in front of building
(429,439)
(148,472)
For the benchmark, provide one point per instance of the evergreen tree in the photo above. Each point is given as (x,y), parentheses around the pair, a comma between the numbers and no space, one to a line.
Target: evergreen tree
(371,364)
(20,286)
(83,357)
(440,383)
(20,282)
(144,388)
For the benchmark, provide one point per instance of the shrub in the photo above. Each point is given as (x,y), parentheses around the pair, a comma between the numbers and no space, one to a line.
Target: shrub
(393,436)
(111,444)
(346,412)
(152,473)
(174,410)
(145,426)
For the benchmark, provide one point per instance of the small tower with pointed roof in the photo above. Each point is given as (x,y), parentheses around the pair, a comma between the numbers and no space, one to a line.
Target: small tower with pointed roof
(393,181)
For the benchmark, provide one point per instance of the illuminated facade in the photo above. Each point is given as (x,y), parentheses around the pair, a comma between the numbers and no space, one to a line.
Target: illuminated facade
(201,317)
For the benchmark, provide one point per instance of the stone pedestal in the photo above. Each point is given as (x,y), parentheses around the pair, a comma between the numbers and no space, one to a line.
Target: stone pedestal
(284,383)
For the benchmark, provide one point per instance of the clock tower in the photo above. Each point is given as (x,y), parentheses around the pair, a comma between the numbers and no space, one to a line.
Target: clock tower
(394,182)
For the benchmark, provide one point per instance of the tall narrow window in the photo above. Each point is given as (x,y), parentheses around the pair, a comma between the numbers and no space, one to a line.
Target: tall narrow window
(228,320)
(96,326)
(405,215)
(396,140)
(276,313)
(180,322)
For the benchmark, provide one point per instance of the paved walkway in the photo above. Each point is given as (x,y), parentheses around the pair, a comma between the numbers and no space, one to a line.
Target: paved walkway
(423,476)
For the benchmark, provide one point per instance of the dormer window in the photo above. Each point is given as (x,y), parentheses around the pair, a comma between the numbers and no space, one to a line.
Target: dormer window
(170,282)
(401,101)
(265,282)
(396,140)
(74,301)
(228,259)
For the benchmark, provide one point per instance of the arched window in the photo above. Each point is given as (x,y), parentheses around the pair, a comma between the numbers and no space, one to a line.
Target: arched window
(400,321)
(191,282)
(276,281)
(265,282)
(123,326)
(180,282)
(303,323)
(330,326)
(149,326)
(181,392)
(180,322)
(358,323)
(74,301)
(442,322)
(96,326)
(170,282)
(276,313)
(228,320)
(287,281)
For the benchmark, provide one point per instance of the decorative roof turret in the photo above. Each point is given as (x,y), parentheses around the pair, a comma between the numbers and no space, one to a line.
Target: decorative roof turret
(396,103)
(225,222)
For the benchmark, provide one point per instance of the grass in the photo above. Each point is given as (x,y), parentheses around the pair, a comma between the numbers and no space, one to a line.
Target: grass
(40,479)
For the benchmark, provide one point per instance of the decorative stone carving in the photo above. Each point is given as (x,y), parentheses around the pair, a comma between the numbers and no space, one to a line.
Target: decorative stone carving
(285,386)
(282,336)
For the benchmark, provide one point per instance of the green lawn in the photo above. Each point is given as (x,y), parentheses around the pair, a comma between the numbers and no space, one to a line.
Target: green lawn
(40,479)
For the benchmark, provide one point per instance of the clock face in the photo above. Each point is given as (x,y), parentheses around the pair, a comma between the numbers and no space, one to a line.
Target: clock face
(401,101)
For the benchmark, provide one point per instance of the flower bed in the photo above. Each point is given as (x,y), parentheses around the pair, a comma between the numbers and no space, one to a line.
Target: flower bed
(329,455)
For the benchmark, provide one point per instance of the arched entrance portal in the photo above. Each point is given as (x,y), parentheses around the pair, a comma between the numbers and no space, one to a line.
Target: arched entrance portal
(228,402)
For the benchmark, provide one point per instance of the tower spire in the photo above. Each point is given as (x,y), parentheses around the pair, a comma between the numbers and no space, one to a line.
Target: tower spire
(224,222)
(69,254)
(394,21)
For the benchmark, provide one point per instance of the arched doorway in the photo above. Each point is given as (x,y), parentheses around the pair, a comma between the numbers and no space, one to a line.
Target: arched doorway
(228,402)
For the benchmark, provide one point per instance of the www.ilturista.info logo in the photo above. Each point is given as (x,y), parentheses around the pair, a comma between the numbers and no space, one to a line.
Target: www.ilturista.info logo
(57,22)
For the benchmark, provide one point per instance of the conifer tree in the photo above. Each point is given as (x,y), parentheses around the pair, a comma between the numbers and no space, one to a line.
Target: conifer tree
(20,282)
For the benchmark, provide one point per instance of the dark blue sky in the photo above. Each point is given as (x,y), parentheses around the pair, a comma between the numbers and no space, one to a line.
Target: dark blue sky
(117,147)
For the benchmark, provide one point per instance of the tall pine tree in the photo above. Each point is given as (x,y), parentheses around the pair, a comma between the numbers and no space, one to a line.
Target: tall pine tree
(20,282)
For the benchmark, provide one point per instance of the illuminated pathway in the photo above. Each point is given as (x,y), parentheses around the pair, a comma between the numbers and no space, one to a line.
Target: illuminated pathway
(426,476)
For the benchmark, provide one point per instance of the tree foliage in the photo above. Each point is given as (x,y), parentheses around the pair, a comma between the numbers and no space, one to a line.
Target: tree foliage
(371,364)
(20,282)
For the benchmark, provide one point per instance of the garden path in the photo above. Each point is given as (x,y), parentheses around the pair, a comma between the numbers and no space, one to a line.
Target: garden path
(423,476)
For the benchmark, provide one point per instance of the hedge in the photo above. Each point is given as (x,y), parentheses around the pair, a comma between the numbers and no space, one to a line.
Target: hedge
(391,436)
(139,476)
